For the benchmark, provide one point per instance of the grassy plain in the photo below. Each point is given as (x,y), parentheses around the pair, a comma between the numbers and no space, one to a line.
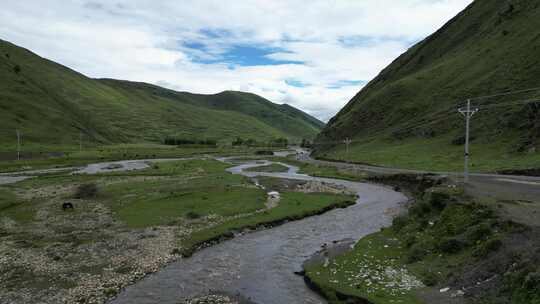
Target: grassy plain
(132,224)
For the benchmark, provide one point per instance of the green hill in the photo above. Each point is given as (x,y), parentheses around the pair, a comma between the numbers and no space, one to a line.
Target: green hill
(51,104)
(407,116)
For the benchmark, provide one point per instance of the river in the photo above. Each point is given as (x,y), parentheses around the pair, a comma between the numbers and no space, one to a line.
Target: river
(260,265)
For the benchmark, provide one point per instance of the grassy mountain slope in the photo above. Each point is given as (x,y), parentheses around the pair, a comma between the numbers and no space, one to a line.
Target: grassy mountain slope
(50,103)
(407,116)
(292,122)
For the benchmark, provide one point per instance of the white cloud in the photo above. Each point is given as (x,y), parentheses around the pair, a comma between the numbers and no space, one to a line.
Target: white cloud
(143,40)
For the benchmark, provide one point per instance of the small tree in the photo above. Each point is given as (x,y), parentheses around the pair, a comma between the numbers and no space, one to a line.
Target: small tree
(17,69)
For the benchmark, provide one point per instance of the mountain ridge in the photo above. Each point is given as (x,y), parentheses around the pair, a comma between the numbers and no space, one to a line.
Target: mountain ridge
(51,104)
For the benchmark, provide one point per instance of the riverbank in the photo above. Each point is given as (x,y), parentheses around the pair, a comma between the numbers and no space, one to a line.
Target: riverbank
(77,158)
(448,248)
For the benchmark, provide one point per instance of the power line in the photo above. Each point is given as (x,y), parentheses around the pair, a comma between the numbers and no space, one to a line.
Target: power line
(510,103)
(506,94)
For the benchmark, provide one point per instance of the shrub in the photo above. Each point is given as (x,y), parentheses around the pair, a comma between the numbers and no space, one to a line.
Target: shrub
(192,215)
(487,247)
(480,232)
(439,199)
(410,240)
(109,292)
(429,278)
(532,282)
(264,152)
(420,209)
(86,191)
(17,69)
(416,253)
(450,245)
(399,222)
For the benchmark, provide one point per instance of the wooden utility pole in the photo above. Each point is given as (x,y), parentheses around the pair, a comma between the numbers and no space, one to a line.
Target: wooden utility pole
(18,144)
(468,113)
(347,142)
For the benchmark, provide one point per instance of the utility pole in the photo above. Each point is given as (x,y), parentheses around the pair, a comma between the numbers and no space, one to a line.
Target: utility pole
(347,142)
(468,113)
(18,144)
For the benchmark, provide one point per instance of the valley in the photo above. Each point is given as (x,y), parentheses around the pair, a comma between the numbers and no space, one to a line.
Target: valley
(330,152)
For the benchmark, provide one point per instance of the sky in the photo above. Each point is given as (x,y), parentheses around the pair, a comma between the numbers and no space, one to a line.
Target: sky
(314,55)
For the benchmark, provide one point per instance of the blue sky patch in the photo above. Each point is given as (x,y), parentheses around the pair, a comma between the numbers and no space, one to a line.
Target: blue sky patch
(356,41)
(239,54)
(296,83)
(346,83)
(216,33)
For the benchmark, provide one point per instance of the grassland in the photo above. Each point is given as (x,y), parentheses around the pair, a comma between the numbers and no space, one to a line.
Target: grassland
(292,206)
(320,170)
(434,155)
(74,157)
(132,224)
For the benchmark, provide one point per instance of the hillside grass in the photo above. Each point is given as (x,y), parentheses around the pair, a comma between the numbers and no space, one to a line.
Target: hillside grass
(436,154)
(51,105)
(407,116)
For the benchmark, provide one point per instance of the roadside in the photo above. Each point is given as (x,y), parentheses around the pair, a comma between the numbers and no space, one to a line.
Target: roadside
(517,196)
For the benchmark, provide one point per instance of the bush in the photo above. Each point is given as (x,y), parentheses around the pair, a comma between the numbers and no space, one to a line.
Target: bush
(450,245)
(429,278)
(86,191)
(480,232)
(439,199)
(192,215)
(399,223)
(532,282)
(420,209)
(487,247)
(174,141)
(416,253)
(410,240)
(17,69)
(264,152)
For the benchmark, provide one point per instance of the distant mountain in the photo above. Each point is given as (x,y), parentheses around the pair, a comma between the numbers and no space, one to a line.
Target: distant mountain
(491,47)
(50,104)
